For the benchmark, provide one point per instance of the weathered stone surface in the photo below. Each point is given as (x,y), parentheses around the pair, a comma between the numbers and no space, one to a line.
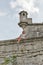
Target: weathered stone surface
(28,53)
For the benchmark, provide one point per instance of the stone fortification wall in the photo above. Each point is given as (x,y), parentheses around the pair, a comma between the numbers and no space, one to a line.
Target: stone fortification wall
(28,51)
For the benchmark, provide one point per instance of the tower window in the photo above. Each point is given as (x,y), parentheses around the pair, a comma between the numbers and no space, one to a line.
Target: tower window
(23,14)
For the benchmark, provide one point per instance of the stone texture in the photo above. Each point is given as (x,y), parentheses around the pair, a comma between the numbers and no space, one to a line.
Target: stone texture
(28,53)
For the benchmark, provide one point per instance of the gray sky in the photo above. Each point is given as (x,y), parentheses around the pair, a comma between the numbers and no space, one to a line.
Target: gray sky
(9,16)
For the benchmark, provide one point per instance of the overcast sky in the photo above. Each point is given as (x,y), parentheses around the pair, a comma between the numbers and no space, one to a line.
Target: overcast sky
(9,16)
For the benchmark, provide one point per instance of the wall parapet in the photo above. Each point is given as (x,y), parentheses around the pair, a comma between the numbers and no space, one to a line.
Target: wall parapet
(11,42)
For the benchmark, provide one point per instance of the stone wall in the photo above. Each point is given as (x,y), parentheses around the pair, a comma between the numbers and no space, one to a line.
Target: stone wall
(32,53)
(33,30)
(28,51)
